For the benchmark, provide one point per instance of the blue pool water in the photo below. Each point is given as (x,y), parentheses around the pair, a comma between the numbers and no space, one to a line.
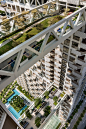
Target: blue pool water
(15,93)
(11,109)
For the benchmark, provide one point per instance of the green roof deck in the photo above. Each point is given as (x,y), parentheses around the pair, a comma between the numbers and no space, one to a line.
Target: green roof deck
(52,123)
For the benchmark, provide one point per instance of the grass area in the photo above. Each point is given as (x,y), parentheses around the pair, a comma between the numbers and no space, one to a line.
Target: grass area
(62,94)
(17,103)
(35,30)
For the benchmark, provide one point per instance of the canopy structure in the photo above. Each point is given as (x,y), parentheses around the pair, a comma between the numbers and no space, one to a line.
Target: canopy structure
(52,123)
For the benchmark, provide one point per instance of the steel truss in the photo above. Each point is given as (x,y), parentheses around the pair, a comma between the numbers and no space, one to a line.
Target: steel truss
(20,67)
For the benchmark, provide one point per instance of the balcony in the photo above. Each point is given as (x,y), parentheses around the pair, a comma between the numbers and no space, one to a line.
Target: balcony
(76,52)
(80,61)
(57,78)
(71,59)
(76,38)
(77,73)
(57,74)
(75,66)
(65,49)
(58,69)
(58,52)
(71,76)
(57,82)
(67,42)
(65,56)
(75,83)
(58,58)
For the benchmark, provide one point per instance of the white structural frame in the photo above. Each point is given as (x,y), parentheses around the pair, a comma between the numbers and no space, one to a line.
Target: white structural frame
(44,48)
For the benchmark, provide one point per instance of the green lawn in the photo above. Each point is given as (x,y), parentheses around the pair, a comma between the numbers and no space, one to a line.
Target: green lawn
(35,30)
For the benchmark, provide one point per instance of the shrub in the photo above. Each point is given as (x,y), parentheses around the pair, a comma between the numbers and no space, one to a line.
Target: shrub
(46,93)
(37,101)
(58,126)
(55,98)
(37,121)
(28,114)
(47,110)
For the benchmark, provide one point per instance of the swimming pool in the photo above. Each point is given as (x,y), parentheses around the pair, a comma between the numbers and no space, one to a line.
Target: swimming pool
(15,93)
(11,109)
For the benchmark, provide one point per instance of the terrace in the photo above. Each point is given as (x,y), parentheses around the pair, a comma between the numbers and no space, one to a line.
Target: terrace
(48,102)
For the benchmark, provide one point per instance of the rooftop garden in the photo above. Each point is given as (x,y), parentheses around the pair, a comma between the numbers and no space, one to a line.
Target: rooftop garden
(17,103)
(7,92)
(25,93)
(29,33)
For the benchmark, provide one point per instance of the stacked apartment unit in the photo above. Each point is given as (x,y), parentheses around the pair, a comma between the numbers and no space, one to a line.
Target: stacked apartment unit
(63,67)
(2,117)
(18,6)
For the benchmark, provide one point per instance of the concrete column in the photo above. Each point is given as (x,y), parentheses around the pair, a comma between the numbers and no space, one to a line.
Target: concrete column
(35,2)
(66,5)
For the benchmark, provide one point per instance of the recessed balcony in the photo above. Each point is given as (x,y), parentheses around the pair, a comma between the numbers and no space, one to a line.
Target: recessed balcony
(77,73)
(75,83)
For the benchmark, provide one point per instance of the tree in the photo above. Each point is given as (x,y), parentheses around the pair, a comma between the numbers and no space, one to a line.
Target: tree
(85,92)
(37,101)
(37,121)
(47,111)
(46,93)
(55,98)
(28,114)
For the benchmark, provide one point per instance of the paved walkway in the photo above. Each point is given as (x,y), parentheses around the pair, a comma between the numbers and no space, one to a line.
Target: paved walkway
(76,116)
